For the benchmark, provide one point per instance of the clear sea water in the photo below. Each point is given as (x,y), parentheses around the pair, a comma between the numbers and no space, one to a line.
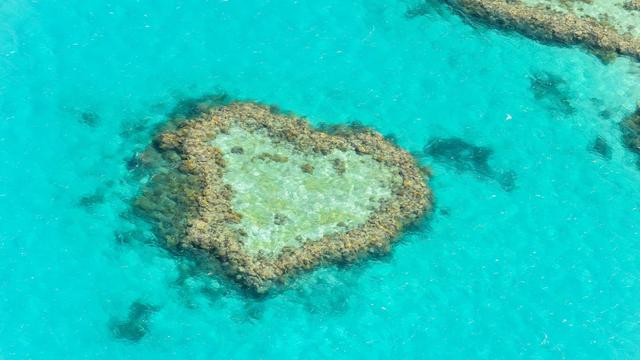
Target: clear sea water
(549,270)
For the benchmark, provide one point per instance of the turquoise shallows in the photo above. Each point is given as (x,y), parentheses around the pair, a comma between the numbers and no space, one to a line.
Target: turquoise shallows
(549,270)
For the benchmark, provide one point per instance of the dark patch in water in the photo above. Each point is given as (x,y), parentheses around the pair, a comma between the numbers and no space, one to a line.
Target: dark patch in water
(91,201)
(125,237)
(277,110)
(552,90)
(132,128)
(253,310)
(136,325)
(630,128)
(605,114)
(465,157)
(140,163)
(605,56)
(133,162)
(600,147)
(424,8)
(197,277)
(352,127)
(507,180)
(461,155)
(90,118)
(392,138)
(191,107)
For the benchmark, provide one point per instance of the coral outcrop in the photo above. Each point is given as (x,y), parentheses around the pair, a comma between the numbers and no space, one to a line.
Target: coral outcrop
(265,195)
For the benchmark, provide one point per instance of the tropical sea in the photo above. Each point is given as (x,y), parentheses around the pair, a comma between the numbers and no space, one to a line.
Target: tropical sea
(530,252)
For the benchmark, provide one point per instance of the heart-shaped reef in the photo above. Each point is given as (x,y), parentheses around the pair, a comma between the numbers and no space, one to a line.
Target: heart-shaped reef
(264,195)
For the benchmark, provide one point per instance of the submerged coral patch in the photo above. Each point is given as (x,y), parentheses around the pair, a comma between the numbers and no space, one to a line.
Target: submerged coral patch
(466,157)
(552,91)
(266,195)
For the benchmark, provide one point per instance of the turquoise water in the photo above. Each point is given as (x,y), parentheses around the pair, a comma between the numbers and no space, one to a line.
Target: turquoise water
(548,269)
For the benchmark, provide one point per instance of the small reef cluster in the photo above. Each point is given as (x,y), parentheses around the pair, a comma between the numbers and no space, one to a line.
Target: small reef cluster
(606,27)
(264,195)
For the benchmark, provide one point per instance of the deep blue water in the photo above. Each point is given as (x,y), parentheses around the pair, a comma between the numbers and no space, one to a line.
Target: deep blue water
(546,267)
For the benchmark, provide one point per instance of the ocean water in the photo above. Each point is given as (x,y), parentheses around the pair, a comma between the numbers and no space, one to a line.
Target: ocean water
(531,251)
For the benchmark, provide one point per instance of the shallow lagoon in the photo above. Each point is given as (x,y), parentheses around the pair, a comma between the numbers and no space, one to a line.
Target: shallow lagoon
(546,270)
(281,204)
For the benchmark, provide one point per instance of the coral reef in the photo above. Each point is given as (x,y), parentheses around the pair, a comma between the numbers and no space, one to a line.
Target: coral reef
(264,195)
(603,26)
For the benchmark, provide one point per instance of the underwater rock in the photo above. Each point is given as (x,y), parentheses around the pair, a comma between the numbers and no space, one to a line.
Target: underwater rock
(600,147)
(466,157)
(552,90)
(559,22)
(136,325)
(295,198)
